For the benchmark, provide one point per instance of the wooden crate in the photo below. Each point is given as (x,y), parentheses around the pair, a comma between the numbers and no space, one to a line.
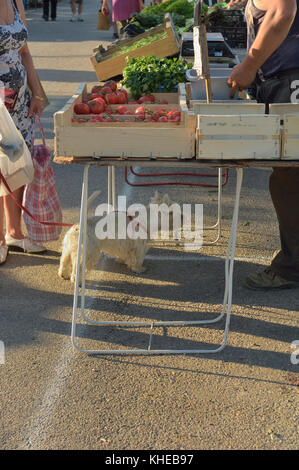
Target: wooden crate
(228,107)
(284,108)
(123,139)
(290,137)
(221,137)
(110,66)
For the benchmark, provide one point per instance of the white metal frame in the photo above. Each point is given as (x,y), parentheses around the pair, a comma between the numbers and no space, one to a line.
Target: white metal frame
(227,300)
(217,225)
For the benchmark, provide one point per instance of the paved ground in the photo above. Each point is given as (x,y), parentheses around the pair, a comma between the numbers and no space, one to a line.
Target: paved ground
(53,397)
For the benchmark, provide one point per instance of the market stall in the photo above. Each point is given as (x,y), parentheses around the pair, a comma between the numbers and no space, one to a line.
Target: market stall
(152,119)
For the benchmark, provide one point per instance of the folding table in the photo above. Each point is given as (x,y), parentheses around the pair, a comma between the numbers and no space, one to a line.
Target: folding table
(229,261)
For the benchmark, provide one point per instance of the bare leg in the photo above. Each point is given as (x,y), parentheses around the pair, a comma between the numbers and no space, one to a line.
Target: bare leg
(2,238)
(14,215)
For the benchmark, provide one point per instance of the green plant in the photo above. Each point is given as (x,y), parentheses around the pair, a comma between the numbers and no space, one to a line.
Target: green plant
(141,43)
(149,74)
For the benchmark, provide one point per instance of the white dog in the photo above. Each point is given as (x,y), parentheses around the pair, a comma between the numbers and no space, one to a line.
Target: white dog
(128,250)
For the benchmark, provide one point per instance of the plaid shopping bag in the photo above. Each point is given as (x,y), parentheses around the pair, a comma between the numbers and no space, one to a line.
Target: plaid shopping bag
(40,197)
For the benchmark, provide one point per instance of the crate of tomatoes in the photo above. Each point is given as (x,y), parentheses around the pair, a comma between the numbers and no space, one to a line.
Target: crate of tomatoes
(106,121)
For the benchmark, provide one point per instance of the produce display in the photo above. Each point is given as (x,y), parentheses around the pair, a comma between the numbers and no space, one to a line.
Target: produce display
(141,43)
(180,7)
(109,104)
(150,74)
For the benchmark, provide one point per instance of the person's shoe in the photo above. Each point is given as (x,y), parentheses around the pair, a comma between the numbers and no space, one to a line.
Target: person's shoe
(80,18)
(3,253)
(115,35)
(45,18)
(25,245)
(73,18)
(267,280)
(53,19)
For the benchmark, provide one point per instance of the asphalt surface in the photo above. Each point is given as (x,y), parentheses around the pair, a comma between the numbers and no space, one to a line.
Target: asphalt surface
(55,397)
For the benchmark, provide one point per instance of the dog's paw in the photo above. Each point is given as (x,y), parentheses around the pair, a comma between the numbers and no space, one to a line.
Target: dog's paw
(63,275)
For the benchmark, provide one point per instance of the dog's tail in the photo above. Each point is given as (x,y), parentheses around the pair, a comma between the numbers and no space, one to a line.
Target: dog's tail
(92,197)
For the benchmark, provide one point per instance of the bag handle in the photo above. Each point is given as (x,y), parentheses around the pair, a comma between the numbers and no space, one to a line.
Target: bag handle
(37,118)
(56,224)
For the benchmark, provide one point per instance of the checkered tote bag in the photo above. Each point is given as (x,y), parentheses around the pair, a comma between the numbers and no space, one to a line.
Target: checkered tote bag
(40,197)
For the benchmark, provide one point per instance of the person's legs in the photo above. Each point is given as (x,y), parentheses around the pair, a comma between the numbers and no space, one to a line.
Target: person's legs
(73,8)
(80,9)
(13,214)
(53,9)
(46,10)
(284,191)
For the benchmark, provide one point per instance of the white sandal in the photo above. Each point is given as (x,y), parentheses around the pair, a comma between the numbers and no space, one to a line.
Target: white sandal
(3,253)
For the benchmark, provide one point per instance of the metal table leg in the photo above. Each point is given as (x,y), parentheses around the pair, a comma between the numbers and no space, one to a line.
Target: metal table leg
(227,300)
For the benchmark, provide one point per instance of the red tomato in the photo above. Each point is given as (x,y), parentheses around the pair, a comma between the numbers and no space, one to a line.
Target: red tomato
(124,91)
(164,102)
(81,108)
(101,99)
(146,98)
(96,107)
(162,119)
(111,84)
(111,98)
(122,110)
(139,110)
(96,89)
(105,90)
(121,97)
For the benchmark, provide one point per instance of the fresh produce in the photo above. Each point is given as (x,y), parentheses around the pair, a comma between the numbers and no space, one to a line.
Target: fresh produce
(141,43)
(148,20)
(109,103)
(181,7)
(81,108)
(146,75)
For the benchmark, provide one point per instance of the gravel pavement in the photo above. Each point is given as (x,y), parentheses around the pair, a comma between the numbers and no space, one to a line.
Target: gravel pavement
(54,397)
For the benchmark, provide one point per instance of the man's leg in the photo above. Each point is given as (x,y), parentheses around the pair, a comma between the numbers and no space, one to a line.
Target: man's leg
(46,10)
(53,9)
(284,190)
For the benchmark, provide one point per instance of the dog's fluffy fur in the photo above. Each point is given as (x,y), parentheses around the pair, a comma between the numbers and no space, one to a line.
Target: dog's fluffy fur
(128,251)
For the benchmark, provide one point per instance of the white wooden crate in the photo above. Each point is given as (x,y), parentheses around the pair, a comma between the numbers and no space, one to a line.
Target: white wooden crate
(238,137)
(290,137)
(284,108)
(227,107)
(122,139)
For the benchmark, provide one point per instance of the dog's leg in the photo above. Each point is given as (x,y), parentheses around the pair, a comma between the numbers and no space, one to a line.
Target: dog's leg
(65,266)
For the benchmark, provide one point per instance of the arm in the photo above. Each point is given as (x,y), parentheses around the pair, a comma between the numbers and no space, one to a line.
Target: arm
(105,9)
(141,4)
(36,104)
(273,31)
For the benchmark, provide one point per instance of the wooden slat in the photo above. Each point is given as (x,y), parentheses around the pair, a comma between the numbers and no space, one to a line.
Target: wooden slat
(239,125)
(125,141)
(228,108)
(284,108)
(238,137)
(290,137)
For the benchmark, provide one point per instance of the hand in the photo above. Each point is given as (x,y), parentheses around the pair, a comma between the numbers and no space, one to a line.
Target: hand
(141,4)
(105,10)
(241,78)
(36,106)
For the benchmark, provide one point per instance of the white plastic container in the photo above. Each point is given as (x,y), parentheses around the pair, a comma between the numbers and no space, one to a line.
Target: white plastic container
(15,159)
(220,89)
